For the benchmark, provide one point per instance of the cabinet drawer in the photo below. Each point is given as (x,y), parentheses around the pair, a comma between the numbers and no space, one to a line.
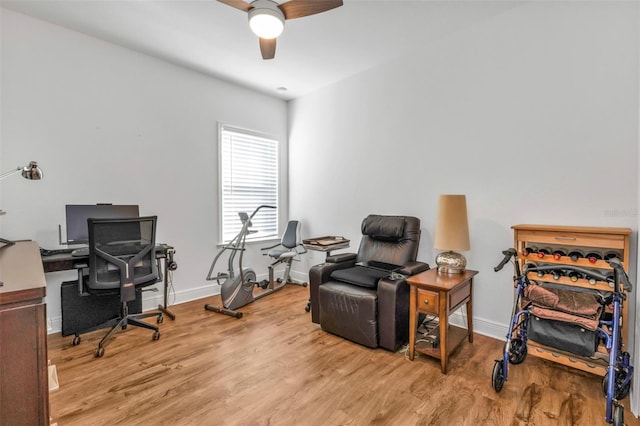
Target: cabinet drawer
(428,302)
(608,241)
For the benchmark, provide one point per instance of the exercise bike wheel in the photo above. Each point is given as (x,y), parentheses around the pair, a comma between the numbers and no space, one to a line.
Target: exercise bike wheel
(619,391)
(497,377)
(518,351)
(618,415)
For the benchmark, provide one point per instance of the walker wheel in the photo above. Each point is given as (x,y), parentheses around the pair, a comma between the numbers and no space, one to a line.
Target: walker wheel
(518,351)
(99,352)
(75,341)
(156,335)
(619,391)
(497,378)
(618,415)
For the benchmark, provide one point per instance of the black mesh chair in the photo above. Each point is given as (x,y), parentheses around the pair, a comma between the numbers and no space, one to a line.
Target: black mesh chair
(122,258)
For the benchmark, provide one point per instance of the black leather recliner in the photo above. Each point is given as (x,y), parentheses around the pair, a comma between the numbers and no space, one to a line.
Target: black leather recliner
(369,306)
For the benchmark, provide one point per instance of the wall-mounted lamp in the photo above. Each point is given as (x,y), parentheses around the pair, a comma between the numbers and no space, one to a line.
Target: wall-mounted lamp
(32,172)
(452,233)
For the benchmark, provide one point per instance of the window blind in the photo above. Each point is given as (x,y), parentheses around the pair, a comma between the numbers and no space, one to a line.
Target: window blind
(248,179)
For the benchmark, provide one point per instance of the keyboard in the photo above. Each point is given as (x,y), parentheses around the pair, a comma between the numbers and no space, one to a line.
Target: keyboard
(45,252)
(80,252)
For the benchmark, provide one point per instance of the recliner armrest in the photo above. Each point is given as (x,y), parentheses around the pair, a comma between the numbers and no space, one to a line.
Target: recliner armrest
(412,268)
(341,257)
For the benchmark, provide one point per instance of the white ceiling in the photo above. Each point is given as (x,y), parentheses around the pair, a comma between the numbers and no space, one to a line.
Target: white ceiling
(313,51)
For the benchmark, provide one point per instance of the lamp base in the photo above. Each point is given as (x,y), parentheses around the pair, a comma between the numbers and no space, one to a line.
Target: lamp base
(450,262)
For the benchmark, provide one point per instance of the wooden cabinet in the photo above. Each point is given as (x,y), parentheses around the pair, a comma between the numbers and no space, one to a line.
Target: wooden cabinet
(24,387)
(564,240)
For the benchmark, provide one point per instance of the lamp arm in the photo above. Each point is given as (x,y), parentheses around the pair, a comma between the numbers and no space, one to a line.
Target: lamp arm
(12,172)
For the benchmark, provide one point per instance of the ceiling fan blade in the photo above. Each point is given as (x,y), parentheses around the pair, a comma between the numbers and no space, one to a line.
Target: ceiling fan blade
(299,8)
(238,4)
(268,48)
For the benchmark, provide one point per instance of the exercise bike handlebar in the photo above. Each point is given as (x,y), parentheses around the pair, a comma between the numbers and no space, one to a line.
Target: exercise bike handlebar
(263,206)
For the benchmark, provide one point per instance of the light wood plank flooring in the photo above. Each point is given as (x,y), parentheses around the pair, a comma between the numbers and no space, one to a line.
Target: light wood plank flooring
(274,367)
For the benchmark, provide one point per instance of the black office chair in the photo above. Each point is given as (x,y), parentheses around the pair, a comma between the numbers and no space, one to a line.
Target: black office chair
(122,258)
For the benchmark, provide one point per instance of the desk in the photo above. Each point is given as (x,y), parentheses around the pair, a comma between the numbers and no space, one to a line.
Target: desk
(66,262)
(24,382)
(440,294)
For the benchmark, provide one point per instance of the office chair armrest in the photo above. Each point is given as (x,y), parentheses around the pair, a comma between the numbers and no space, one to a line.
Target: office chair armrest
(412,268)
(341,257)
(81,267)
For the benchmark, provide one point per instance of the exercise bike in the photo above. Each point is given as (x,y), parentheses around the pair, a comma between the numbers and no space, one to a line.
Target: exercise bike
(237,288)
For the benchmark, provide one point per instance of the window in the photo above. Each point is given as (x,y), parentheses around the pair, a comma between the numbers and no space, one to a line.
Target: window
(248,179)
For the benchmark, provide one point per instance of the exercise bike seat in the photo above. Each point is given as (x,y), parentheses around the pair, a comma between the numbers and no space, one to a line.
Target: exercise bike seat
(281,254)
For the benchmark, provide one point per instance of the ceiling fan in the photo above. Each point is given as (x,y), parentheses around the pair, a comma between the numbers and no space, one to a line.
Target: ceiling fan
(266,17)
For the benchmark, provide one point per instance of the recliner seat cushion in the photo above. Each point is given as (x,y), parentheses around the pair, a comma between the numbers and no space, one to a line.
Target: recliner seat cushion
(349,312)
(360,276)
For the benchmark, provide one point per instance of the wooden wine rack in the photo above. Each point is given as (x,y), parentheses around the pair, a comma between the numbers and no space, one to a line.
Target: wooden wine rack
(599,239)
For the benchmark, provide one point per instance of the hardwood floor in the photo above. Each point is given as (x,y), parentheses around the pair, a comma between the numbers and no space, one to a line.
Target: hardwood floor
(274,367)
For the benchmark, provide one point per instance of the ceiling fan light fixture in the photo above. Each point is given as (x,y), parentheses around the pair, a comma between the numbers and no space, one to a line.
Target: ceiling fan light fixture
(266,20)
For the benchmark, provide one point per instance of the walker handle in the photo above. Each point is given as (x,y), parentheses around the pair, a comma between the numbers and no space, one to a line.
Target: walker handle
(508,254)
(620,272)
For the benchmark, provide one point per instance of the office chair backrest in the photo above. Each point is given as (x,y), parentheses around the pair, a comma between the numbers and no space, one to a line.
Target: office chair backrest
(291,237)
(122,254)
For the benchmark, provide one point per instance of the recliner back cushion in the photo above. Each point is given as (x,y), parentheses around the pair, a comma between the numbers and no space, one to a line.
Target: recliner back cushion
(390,239)
(387,228)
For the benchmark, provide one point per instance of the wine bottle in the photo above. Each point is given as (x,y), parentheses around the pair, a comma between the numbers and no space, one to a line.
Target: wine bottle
(611,254)
(544,252)
(557,254)
(529,250)
(557,273)
(574,276)
(593,256)
(575,255)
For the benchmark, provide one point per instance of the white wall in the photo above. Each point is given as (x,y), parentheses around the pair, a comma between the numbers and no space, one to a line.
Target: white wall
(532,114)
(111,125)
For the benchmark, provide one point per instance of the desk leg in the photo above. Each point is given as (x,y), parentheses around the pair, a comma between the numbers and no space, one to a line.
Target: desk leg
(413,320)
(470,311)
(163,308)
(444,328)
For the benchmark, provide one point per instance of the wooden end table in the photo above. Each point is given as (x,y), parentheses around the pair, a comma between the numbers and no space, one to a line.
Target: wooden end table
(440,294)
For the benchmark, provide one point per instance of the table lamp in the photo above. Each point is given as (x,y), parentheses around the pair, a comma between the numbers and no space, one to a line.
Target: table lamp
(452,233)
(32,172)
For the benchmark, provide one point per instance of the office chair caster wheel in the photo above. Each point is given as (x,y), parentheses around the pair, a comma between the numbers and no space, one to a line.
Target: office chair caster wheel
(156,335)
(305,284)
(99,352)
(307,308)
(160,319)
(75,341)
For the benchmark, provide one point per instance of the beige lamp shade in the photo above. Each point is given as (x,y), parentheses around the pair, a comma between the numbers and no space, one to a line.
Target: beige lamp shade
(452,230)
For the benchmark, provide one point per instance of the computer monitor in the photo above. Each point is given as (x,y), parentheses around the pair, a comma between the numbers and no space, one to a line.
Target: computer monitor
(77,215)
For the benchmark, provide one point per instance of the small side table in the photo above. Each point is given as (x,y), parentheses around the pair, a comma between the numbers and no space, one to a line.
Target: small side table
(440,294)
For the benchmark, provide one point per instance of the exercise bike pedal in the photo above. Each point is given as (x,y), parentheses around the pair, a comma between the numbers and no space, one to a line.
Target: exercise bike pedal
(263,284)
